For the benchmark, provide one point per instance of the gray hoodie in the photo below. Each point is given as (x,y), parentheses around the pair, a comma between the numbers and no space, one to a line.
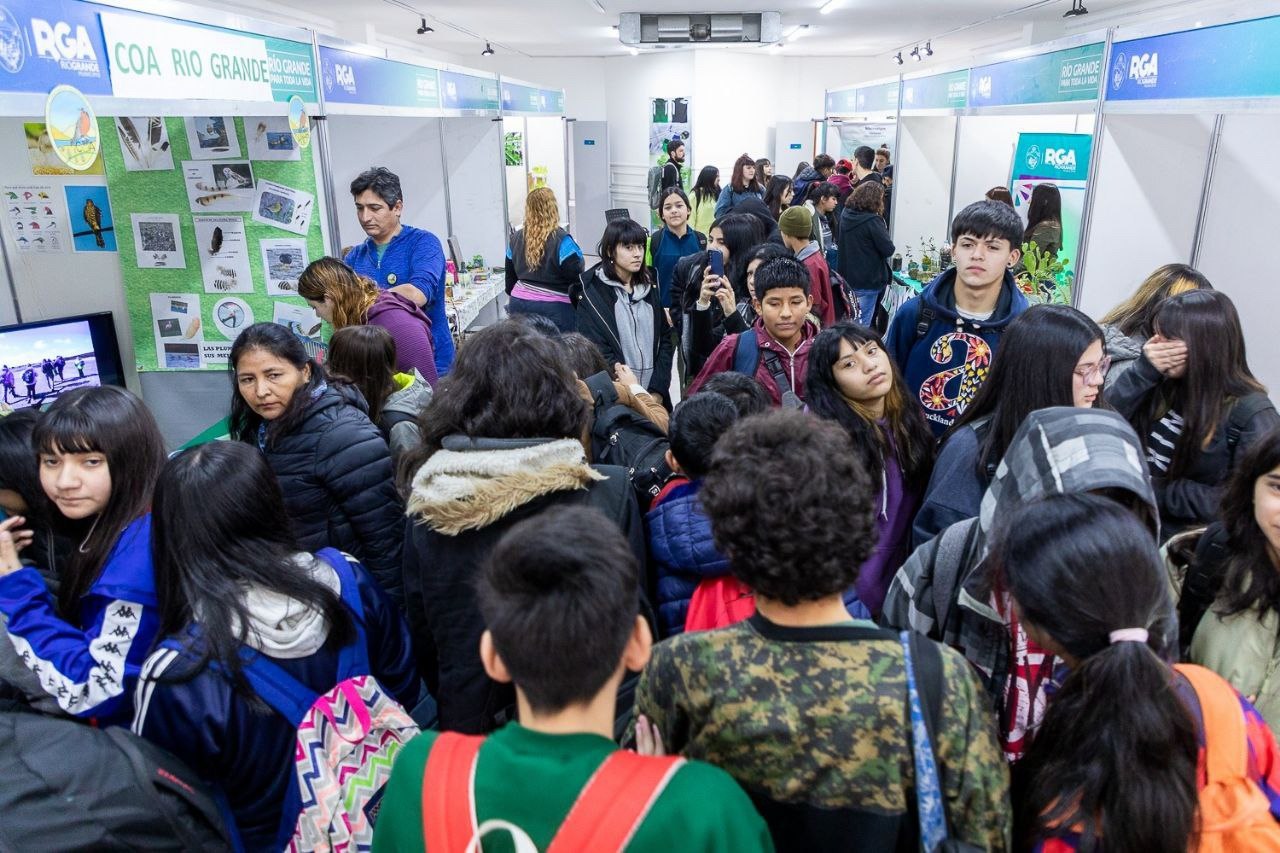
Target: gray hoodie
(409,400)
(636,334)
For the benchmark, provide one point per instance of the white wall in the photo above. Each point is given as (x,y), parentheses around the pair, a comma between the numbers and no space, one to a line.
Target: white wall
(1145,202)
(1240,233)
(922,179)
(987,146)
(546,148)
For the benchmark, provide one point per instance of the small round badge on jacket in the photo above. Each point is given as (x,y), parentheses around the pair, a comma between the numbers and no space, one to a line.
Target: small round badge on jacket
(391,278)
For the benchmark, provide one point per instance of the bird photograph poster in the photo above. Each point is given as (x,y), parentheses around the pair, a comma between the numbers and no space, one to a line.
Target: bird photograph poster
(144,143)
(36,219)
(93,228)
(73,128)
(225,186)
(157,240)
(43,159)
(283,207)
(224,254)
(213,138)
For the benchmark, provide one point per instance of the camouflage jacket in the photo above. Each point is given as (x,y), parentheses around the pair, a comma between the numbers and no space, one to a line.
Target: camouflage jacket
(813,724)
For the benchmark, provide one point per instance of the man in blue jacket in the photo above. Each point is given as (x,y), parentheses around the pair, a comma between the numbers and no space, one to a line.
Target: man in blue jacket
(943,340)
(401,258)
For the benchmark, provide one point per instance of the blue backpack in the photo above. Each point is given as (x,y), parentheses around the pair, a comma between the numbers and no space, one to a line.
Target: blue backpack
(746,360)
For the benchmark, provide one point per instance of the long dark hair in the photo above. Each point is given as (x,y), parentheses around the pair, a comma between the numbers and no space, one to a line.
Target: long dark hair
(773,194)
(1252,579)
(365,356)
(741,231)
(20,473)
(1045,205)
(707,187)
(284,345)
(739,181)
(111,421)
(912,440)
(1118,715)
(1134,316)
(1217,371)
(220,528)
(623,232)
(508,381)
(1038,355)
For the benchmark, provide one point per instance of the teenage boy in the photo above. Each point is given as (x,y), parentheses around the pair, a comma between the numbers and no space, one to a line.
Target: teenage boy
(679,532)
(944,339)
(776,349)
(796,225)
(559,599)
(803,705)
(864,165)
(823,166)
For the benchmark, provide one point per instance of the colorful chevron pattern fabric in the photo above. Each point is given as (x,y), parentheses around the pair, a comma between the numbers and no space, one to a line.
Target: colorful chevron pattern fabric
(346,747)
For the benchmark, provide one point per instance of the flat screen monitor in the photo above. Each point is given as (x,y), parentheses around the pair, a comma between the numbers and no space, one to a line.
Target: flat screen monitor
(40,360)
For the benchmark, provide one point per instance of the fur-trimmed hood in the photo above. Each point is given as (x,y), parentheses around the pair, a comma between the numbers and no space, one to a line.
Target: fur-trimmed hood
(470,483)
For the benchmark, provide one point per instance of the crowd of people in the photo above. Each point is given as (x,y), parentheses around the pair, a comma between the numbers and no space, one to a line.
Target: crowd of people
(698,549)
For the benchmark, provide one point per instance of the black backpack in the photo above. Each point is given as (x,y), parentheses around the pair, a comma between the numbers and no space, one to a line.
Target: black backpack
(70,787)
(624,437)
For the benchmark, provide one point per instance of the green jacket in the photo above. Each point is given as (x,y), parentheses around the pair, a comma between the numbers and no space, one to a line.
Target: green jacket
(531,779)
(1245,650)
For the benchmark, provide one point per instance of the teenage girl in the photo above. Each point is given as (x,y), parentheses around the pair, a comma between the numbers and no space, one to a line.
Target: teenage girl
(1051,355)
(333,464)
(99,451)
(366,357)
(230,575)
(1195,403)
(1114,764)
(852,380)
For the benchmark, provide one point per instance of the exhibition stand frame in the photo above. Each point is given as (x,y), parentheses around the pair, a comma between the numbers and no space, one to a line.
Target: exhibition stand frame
(536,146)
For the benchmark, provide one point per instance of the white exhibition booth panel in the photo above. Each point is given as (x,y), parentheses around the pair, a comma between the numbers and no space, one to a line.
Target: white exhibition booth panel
(473,152)
(545,145)
(922,175)
(517,176)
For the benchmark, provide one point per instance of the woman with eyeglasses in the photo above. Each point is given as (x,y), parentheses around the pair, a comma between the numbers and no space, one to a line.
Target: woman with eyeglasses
(1051,355)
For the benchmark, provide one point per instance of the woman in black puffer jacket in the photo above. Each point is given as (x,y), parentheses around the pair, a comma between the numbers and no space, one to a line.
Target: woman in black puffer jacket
(332,462)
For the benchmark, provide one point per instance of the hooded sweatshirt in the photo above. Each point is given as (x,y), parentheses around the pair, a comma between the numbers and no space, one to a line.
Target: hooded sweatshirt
(819,283)
(629,328)
(410,329)
(403,407)
(1056,451)
(946,365)
(731,198)
(808,178)
(192,710)
(794,364)
(1123,350)
(865,249)
(464,498)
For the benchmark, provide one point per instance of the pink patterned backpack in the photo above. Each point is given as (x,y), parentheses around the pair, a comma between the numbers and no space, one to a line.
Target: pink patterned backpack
(348,738)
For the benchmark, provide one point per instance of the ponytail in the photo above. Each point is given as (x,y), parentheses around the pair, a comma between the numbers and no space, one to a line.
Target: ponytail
(1114,760)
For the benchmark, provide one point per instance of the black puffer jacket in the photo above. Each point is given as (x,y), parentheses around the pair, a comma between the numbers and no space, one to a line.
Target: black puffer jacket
(335,471)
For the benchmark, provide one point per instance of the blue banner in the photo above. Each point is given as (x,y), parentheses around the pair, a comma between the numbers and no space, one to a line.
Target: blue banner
(878,98)
(354,78)
(1237,60)
(463,92)
(530,99)
(939,92)
(44,43)
(842,102)
(1073,74)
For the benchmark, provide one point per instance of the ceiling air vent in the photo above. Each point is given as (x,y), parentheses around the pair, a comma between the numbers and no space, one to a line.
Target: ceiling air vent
(637,28)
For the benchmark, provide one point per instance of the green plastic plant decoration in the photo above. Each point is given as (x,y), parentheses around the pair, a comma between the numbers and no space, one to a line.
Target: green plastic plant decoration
(1045,277)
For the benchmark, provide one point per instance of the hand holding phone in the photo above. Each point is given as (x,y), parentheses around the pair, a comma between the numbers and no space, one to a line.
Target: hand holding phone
(716,263)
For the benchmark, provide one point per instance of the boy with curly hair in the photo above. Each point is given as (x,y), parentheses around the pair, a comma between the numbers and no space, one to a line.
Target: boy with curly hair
(806,707)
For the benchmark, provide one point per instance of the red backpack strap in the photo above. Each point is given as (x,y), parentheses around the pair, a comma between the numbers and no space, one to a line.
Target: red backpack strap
(1225,736)
(614,803)
(448,793)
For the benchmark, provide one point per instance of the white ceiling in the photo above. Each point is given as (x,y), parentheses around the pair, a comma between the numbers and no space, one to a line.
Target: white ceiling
(560,28)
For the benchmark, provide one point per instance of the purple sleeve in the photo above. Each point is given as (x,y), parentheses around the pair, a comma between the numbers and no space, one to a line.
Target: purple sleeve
(414,349)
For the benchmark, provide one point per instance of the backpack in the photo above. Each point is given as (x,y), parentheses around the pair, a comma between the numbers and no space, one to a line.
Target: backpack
(622,436)
(347,740)
(604,817)
(69,786)
(29,376)
(843,299)
(655,184)
(1235,814)
(950,557)
(718,603)
(746,360)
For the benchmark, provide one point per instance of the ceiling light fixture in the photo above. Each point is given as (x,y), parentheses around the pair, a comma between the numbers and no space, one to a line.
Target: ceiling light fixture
(898,58)
(488,50)
(424,29)
(915,52)
(1077,9)
(599,7)
(828,7)
(928,48)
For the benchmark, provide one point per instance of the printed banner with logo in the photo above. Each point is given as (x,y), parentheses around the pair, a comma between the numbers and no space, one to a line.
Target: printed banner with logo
(842,102)
(669,120)
(938,92)
(1062,76)
(465,92)
(531,100)
(355,78)
(1061,159)
(45,43)
(1237,60)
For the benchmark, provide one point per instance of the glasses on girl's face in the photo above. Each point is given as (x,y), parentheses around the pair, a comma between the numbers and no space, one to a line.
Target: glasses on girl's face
(1092,371)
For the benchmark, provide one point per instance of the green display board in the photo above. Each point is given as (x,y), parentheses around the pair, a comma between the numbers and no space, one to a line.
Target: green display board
(188,298)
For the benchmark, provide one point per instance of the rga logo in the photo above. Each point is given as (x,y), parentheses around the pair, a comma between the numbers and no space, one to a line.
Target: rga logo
(345,76)
(1062,159)
(1144,69)
(984,87)
(68,46)
(1033,156)
(1119,71)
(13,47)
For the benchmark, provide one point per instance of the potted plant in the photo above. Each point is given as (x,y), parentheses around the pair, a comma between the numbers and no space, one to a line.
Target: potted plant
(1044,277)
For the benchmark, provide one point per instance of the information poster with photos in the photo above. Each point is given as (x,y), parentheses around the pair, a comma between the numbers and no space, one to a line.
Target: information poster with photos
(217,219)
